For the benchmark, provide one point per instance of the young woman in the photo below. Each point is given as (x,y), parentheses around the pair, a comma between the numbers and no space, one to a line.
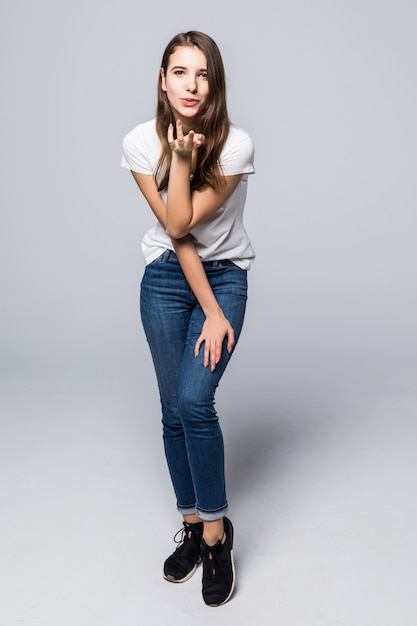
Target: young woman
(191,165)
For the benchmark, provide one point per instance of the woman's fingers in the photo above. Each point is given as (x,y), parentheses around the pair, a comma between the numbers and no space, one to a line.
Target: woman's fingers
(212,353)
(183,143)
(230,340)
(180,133)
(170,135)
(200,139)
(213,346)
(198,345)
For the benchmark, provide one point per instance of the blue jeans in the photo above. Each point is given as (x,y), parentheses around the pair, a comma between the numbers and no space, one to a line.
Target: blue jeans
(172,319)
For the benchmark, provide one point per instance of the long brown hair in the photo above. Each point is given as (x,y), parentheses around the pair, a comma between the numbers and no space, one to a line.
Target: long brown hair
(213,119)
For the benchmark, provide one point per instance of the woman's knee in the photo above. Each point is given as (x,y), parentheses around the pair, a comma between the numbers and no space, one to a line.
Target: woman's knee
(171,420)
(196,408)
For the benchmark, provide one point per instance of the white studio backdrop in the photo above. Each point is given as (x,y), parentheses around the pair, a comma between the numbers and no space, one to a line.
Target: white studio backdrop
(322,391)
(327,91)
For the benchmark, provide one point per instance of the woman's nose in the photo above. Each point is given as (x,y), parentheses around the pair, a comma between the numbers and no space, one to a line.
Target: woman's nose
(192,84)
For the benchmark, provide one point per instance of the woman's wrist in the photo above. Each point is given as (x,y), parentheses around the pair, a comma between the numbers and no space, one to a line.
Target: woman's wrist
(213,310)
(183,159)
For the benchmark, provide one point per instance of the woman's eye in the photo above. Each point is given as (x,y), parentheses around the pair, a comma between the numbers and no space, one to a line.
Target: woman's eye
(203,74)
(179,72)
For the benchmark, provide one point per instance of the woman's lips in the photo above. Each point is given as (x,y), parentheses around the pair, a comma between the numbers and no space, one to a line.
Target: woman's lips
(189,102)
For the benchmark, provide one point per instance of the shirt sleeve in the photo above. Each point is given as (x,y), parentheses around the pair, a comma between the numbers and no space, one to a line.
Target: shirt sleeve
(134,156)
(238,154)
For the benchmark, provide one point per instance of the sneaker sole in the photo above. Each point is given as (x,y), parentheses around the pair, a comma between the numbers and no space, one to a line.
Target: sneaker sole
(171,579)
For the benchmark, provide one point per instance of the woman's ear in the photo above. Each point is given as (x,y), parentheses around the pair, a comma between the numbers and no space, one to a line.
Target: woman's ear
(163,84)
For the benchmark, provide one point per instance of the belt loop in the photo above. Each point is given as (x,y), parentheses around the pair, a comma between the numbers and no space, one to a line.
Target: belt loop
(166,256)
(215,264)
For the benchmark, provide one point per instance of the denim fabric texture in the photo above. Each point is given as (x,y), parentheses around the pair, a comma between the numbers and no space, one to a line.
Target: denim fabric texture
(172,319)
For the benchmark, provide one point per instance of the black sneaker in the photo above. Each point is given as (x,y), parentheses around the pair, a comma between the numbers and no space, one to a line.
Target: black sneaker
(218,568)
(181,565)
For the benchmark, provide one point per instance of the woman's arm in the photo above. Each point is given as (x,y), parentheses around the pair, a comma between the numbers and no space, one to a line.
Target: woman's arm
(216,327)
(186,209)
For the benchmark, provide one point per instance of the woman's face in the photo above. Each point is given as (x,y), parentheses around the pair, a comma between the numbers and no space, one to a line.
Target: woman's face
(185,83)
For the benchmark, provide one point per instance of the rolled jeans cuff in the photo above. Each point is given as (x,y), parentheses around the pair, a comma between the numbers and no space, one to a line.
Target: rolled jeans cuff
(208,516)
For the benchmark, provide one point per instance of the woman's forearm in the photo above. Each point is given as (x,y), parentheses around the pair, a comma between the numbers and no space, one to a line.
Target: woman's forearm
(179,208)
(179,215)
(196,277)
(216,331)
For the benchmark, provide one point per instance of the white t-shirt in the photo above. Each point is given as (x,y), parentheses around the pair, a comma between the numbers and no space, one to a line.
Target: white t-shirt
(222,235)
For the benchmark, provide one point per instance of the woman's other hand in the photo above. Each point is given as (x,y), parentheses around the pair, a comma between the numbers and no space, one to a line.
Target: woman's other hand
(215,330)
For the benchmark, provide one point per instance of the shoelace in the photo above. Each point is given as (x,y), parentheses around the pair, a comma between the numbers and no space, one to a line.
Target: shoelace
(186,533)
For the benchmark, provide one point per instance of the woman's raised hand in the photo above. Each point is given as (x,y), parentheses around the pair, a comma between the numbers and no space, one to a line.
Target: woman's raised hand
(184,145)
